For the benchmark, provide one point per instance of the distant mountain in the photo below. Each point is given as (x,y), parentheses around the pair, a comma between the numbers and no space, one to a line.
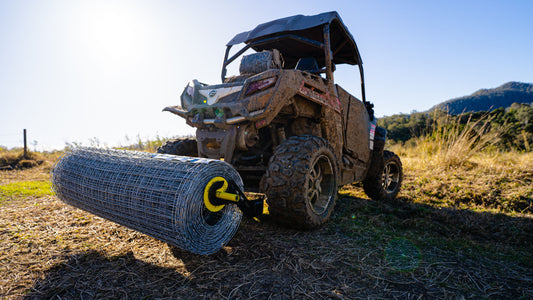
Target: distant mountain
(490,99)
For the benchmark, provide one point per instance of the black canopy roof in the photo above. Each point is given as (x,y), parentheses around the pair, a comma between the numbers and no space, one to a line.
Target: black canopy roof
(282,34)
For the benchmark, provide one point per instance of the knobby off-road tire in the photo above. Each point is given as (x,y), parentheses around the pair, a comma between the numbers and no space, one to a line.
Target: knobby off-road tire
(384,178)
(301,182)
(181,147)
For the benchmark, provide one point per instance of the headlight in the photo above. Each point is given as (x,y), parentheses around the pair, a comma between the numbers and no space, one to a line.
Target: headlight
(190,89)
(190,95)
(187,96)
(260,85)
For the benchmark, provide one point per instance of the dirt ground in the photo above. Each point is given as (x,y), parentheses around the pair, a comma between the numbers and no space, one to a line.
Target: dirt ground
(369,250)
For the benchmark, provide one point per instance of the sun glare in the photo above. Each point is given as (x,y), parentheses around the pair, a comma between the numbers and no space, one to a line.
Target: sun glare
(113,35)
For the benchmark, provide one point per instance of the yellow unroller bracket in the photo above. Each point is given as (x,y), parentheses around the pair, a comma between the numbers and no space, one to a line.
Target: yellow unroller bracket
(220,194)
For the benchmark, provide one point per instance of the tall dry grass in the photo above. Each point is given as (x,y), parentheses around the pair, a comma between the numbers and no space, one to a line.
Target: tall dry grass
(450,143)
(458,164)
(136,144)
(15,159)
(140,144)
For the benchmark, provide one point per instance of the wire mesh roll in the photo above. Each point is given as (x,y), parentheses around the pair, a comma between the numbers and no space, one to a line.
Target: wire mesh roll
(157,194)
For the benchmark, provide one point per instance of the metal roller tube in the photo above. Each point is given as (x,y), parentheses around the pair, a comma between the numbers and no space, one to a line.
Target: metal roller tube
(157,194)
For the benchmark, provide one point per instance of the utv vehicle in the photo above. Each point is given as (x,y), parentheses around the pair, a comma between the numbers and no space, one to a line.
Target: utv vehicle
(283,123)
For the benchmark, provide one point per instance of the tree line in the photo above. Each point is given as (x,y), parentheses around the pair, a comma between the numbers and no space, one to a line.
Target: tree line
(515,123)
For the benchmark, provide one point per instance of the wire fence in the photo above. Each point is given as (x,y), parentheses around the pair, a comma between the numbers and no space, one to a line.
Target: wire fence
(12,139)
(24,142)
(157,194)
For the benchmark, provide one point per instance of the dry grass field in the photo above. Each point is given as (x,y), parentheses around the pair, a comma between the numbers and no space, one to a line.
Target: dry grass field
(456,231)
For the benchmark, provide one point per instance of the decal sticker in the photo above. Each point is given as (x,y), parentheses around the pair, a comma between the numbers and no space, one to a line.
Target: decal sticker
(372,133)
(182,158)
(260,123)
(213,95)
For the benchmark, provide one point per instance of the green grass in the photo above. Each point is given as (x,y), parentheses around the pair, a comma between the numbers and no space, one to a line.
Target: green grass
(25,189)
(409,234)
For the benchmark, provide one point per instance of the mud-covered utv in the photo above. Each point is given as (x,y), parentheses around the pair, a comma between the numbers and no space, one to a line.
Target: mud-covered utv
(283,123)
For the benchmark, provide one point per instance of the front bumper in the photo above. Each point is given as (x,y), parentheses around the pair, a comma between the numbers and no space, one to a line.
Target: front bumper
(198,121)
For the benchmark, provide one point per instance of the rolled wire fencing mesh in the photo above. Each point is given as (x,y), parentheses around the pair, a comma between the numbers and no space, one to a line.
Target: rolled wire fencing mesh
(157,194)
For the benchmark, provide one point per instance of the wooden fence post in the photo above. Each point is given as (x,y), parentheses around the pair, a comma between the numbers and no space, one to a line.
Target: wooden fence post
(25,145)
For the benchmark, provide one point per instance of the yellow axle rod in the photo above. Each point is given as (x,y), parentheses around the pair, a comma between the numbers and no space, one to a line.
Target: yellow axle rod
(220,193)
(227,196)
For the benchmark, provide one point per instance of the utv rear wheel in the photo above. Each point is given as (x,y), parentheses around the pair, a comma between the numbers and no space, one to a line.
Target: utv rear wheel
(181,147)
(385,178)
(301,182)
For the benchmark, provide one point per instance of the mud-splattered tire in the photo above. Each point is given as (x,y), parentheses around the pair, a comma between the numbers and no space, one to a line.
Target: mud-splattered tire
(181,146)
(301,182)
(385,177)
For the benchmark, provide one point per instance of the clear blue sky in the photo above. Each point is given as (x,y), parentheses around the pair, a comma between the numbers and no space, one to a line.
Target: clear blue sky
(74,70)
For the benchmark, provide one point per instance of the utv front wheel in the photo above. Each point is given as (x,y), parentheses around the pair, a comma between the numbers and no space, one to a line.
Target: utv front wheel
(301,182)
(384,182)
(181,147)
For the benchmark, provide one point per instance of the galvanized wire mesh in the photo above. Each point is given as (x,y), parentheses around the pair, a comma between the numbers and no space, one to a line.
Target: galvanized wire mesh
(157,194)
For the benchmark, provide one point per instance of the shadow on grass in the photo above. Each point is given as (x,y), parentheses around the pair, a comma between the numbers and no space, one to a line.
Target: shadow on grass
(362,252)
(261,261)
(93,275)
(401,214)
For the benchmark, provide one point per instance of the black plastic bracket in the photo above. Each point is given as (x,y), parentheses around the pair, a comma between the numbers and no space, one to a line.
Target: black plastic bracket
(250,208)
